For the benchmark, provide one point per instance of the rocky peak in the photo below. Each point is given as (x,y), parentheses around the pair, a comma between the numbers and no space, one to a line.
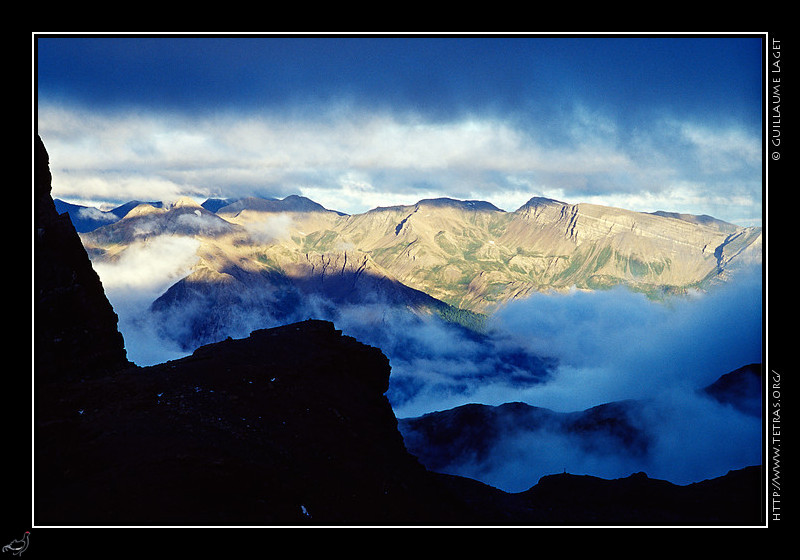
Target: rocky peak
(143,209)
(292,203)
(540,201)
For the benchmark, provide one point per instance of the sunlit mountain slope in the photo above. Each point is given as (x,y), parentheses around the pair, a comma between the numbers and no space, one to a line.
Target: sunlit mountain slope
(469,255)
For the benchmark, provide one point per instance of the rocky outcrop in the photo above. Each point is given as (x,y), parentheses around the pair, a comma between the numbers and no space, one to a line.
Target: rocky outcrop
(286,427)
(742,389)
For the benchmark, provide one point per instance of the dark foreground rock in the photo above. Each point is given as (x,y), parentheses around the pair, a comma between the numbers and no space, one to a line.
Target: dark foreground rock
(289,426)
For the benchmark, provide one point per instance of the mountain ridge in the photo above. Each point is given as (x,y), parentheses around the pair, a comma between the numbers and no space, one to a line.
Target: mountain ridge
(294,200)
(464,440)
(474,256)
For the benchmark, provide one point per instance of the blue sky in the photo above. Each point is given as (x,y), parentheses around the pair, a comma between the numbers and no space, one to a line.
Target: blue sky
(646,123)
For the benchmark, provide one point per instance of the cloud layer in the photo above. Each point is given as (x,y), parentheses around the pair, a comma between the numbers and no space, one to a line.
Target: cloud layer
(352,160)
(606,347)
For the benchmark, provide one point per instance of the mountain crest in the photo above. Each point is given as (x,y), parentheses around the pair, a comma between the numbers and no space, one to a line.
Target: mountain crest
(185,202)
(292,203)
(540,201)
(144,209)
(466,205)
(469,253)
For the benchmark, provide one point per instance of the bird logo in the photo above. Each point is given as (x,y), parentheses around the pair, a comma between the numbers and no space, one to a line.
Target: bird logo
(17,547)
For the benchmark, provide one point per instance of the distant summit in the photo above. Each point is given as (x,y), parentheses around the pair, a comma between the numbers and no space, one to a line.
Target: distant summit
(292,203)
(185,202)
(87,218)
(214,204)
(540,201)
(181,217)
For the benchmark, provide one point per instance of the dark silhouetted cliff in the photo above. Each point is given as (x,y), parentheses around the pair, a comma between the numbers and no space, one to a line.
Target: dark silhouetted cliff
(75,327)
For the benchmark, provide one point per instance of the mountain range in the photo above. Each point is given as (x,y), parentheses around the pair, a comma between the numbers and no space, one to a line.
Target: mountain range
(468,254)
(462,259)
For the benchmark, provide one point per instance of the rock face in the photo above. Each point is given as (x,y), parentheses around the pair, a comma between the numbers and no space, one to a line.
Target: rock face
(75,327)
(288,426)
